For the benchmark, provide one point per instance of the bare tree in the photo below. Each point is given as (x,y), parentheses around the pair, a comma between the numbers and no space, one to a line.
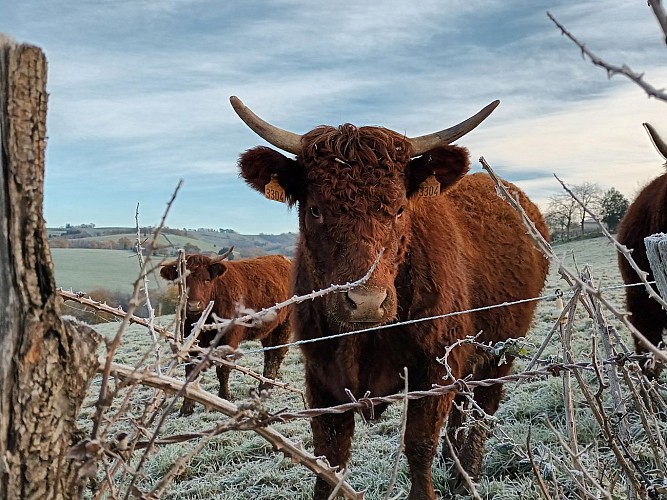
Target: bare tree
(561,212)
(590,195)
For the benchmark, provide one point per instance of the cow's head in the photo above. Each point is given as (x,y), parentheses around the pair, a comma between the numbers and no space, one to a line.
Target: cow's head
(201,272)
(357,190)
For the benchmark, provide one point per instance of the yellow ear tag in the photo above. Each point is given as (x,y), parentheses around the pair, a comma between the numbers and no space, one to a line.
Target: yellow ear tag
(274,191)
(429,188)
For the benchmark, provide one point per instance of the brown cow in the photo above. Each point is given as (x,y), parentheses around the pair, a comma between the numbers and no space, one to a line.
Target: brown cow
(645,216)
(358,195)
(256,283)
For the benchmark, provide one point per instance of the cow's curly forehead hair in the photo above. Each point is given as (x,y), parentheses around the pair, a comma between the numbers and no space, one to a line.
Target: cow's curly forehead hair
(194,261)
(361,168)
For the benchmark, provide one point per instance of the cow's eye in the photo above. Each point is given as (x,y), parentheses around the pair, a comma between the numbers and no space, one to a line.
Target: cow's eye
(315,212)
(399,214)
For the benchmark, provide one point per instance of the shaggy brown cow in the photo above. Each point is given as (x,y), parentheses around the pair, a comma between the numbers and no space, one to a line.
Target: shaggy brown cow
(360,193)
(255,283)
(645,216)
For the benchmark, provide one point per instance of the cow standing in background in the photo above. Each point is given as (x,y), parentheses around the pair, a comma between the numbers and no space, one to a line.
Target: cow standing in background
(646,215)
(446,242)
(256,283)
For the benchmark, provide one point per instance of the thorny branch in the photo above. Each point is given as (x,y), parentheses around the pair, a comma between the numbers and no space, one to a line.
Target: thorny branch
(638,482)
(253,317)
(280,443)
(85,300)
(566,273)
(134,303)
(612,70)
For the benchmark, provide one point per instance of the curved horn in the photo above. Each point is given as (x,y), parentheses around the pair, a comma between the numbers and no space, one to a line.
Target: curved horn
(225,255)
(656,140)
(282,139)
(427,142)
(169,263)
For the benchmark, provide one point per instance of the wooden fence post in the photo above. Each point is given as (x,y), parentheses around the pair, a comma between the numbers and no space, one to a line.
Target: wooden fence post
(46,362)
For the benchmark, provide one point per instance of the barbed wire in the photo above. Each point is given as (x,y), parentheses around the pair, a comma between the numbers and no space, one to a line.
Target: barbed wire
(460,386)
(394,325)
(409,322)
(297,343)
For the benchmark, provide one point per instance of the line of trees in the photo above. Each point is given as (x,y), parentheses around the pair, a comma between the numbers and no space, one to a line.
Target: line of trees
(567,219)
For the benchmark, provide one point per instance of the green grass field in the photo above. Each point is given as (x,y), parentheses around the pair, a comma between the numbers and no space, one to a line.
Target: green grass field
(82,269)
(241,465)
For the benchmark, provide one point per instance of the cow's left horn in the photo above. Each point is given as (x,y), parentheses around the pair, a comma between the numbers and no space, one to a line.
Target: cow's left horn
(656,140)
(282,139)
(427,142)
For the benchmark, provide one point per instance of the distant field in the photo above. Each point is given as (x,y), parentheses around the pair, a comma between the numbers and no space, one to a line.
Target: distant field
(84,270)
(164,241)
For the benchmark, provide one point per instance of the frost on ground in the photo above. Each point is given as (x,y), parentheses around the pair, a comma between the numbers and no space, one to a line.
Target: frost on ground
(236,465)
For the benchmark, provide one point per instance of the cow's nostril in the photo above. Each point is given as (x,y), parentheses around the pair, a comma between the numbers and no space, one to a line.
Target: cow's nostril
(194,305)
(349,302)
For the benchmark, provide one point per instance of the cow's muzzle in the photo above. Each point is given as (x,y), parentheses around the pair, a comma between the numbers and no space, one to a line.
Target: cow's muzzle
(195,306)
(366,305)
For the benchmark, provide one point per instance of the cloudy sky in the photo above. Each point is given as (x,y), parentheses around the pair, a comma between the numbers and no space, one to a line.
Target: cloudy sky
(139,93)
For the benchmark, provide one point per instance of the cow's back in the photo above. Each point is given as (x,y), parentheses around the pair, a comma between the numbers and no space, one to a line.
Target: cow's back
(504,262)
(257,283)
(646,215)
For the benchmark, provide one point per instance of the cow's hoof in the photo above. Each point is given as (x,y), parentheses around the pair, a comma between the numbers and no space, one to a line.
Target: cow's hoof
(186,410)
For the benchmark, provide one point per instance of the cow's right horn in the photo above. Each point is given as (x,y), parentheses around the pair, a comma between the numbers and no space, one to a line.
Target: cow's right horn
(656,140)
(424,143)
(282,139)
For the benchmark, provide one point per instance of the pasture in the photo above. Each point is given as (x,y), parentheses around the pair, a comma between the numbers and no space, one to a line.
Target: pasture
(235,464)
(81,269)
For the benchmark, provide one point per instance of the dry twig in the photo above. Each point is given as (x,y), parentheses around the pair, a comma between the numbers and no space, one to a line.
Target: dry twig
(612,70)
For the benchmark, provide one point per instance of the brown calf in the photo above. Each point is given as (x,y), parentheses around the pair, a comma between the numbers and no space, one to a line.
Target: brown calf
(256,283)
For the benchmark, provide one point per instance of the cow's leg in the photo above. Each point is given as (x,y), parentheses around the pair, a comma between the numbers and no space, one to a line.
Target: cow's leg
(332,438)
(332,434)
(232,338)
(188,406)
(647,316)
(469,446)
(454,427)
(273,358)
(425,417)
(223,377)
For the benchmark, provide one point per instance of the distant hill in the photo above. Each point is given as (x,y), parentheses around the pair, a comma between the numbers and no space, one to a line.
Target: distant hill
(192,240)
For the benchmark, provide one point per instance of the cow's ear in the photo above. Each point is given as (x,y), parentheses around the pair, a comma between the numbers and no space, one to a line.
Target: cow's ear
(448,164)
(260,164)
(216,269)
(169,272)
